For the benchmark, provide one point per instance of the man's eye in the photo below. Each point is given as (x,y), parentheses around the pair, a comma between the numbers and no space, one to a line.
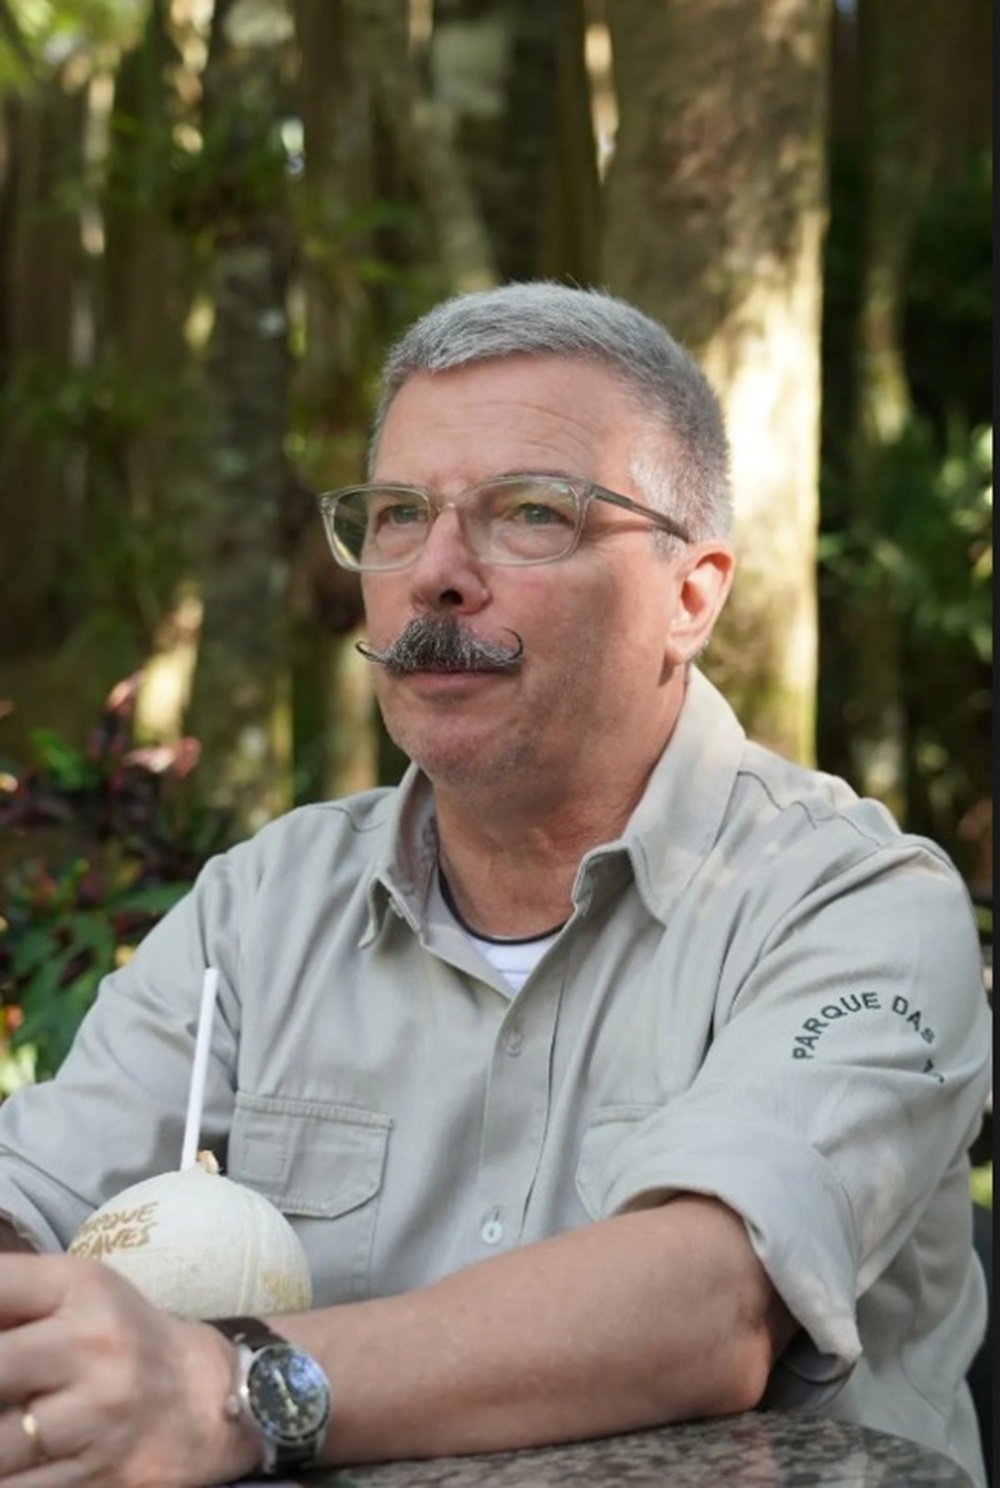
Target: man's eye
(399,514)
(539,514)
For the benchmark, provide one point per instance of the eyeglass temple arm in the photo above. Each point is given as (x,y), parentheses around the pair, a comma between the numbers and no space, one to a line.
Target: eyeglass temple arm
(601,493)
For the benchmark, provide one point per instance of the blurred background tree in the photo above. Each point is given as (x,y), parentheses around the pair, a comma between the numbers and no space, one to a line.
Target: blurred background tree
(720,157)
(215,214)
(906,651)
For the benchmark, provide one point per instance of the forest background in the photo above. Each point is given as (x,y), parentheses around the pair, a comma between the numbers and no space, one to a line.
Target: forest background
(213,219)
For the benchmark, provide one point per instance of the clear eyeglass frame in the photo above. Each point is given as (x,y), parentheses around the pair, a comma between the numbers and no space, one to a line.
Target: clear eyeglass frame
(494,517)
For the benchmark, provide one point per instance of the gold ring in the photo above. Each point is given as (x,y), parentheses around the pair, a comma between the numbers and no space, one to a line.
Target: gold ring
(32,1431)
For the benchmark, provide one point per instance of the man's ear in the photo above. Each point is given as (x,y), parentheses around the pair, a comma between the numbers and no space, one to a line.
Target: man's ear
(703,578)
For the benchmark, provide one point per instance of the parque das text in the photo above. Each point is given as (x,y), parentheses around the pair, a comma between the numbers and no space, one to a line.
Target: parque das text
(848,1005)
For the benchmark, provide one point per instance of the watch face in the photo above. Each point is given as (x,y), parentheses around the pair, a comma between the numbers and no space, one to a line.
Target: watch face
(288,1395)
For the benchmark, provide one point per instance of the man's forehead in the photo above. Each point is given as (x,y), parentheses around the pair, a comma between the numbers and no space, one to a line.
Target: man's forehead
(514,414)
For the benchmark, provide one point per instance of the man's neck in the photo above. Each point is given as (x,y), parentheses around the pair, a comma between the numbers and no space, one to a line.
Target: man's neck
(511,872)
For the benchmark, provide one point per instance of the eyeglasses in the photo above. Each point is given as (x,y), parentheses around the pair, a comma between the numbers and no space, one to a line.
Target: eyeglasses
(513,520)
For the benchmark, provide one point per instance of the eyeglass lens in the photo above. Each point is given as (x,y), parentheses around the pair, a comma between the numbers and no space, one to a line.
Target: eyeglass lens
(530,521)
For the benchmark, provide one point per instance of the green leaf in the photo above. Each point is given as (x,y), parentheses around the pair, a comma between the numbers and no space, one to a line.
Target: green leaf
(67,767)
(153,899)
(37,947)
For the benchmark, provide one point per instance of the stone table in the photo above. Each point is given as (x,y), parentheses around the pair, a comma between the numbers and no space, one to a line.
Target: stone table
(757,1450)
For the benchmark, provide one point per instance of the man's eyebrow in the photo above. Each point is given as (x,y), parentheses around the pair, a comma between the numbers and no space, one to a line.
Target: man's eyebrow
(533,470)
(528,472)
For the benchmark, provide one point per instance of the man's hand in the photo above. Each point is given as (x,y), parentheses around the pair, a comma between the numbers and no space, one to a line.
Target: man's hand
(103,1390)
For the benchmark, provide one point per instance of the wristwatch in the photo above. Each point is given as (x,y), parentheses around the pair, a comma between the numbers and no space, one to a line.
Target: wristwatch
(280,1390)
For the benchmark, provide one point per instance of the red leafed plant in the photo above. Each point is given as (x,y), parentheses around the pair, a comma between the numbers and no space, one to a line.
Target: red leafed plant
(99,843)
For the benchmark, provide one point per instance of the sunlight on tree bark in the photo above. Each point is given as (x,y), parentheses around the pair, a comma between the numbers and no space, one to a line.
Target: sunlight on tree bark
(714,220)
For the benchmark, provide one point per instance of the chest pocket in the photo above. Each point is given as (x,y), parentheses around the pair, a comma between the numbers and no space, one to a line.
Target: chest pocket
(316,1162)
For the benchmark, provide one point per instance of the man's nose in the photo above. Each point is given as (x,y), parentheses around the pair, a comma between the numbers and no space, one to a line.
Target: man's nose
(446,574)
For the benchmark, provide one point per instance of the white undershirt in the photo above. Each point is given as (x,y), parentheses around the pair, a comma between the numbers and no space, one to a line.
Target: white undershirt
(515,960)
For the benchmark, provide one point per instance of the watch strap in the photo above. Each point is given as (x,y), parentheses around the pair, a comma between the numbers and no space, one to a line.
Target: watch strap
(252,1331)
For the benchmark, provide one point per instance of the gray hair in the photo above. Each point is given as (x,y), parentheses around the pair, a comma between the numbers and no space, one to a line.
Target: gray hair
(681,463)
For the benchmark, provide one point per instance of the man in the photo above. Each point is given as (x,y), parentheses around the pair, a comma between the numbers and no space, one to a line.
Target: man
(612,1070)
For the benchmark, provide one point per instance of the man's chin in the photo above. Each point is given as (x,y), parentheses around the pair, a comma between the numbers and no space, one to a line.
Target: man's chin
(465,758)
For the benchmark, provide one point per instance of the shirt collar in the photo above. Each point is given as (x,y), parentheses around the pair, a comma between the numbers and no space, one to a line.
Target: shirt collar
(680,813)
(404,867)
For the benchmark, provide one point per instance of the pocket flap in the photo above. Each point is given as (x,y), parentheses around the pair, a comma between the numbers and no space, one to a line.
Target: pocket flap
(308,1157)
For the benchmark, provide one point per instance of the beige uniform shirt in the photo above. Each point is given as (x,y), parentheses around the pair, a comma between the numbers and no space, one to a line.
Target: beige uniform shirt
(765,992)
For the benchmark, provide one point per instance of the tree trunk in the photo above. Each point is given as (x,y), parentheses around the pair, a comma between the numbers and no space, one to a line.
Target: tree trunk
(336,197)
(42,477)
(240,708)
(144,331)
(714,224)
(570,205)
(842,275)
(510,89)
(142,341)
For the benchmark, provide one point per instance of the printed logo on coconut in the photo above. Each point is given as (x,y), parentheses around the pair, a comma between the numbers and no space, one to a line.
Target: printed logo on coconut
(115,1229)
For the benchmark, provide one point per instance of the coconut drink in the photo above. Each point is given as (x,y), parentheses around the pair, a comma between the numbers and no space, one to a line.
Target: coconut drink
(193,1242)
(199,1245)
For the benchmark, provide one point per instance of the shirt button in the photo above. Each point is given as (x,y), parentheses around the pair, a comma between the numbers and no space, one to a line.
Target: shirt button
(491,1232)
(514,1041)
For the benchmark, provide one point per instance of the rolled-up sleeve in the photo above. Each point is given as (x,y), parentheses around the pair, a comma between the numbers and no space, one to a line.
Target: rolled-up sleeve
(846,1074)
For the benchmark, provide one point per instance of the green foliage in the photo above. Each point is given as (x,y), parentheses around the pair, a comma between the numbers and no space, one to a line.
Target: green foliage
(912,551)
(36,35)
(17,63)
(235,177)
(47,22)
(58,944)
(91,415)
(949,298)
(925,537)
(982,1185)
(75,407)
(206,182)
(112,838)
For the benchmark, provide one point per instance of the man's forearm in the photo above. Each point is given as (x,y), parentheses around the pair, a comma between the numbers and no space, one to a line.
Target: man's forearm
(649,1317)
(10,1239)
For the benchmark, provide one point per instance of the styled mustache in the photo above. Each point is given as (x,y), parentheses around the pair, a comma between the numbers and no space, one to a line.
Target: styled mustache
(438,643)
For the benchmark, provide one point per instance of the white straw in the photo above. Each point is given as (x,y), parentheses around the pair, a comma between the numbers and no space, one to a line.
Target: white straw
(196,1095)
